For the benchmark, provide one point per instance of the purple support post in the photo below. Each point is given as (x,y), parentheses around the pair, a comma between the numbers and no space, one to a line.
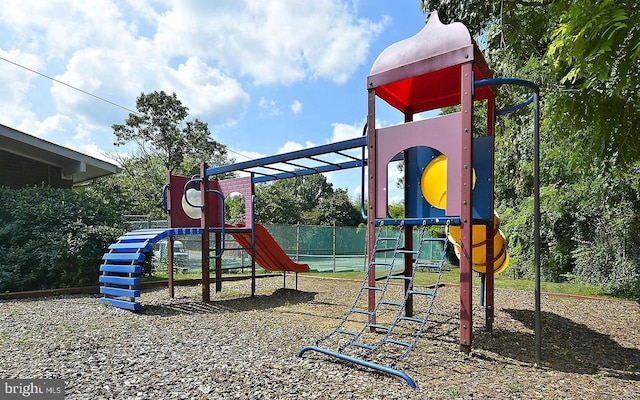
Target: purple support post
(372,188)
(466,207)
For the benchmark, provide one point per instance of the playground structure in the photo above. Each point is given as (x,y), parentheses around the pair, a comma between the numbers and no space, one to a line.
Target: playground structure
(449,176)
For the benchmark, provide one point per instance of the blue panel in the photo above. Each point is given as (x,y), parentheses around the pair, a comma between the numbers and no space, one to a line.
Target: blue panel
(416,161)
(122,269)
(127,305)
(132,247)
(120,280)
(483,165)
(187,231)
(124,257)
(119,292)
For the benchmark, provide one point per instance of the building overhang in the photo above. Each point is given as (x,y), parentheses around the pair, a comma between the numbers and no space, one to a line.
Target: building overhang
(76,166)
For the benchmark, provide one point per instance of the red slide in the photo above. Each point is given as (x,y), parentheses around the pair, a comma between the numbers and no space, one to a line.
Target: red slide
(269,255)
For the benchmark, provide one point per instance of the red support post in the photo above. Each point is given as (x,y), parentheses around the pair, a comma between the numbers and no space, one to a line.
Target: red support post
(204,223)
(170,265)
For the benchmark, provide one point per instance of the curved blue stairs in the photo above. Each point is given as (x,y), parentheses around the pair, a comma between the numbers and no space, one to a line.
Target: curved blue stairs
(122,267)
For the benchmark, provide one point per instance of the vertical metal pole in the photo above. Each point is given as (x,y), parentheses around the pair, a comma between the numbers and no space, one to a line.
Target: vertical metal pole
(536,222)
(491,230)
(408,229)
(204,224)
(253,237)
(372,187)
(170,266)
(218,250)
(334,247)
(466,207)
(298,242)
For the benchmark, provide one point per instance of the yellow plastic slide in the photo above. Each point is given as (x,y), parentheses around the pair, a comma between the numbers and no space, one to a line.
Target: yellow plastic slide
(434,190)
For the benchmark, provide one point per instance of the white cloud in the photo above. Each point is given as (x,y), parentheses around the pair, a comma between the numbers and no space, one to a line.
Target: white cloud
(269,106)
(296,107)
(271,41)
(209,93)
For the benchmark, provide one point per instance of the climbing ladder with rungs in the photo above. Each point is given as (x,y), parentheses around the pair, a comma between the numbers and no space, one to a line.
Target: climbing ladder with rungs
(122,267)
(362,333)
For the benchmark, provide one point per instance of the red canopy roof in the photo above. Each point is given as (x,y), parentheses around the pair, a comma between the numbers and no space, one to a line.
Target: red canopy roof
(423,72)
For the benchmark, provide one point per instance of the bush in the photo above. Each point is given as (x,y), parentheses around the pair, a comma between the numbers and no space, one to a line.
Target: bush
(53,238)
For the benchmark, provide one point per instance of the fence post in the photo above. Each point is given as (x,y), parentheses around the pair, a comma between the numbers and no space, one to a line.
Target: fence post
(334,247)
(298,242)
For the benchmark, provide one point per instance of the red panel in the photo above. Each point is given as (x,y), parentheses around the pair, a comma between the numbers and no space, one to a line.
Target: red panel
(177,217)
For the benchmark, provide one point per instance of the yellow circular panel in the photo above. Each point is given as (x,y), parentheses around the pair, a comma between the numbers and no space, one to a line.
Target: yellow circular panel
(434,182)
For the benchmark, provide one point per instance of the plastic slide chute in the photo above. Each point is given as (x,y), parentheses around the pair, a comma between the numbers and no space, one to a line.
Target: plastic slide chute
(268,253)
(434,190)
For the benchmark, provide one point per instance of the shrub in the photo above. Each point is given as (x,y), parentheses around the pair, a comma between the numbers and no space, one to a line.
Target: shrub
(53,238)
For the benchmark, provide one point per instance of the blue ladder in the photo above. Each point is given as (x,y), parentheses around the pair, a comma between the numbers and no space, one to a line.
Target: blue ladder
(360,346)
(122,267)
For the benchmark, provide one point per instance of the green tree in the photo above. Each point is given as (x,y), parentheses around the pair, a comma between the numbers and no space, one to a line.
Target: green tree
(165,141)
(160,128)
(583,55)
(309,200)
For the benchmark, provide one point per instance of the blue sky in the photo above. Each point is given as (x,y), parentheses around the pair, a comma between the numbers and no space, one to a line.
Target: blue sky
(267,76)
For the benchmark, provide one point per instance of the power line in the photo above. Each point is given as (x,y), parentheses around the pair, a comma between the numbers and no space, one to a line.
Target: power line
(70,86)
(91,94)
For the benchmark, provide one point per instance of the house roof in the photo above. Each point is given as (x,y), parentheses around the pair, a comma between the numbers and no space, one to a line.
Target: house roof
(75,165)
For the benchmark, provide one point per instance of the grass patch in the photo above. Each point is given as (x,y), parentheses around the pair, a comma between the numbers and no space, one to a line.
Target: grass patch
(452,276)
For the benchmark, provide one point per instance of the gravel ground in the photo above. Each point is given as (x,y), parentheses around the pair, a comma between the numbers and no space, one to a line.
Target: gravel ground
(237,347)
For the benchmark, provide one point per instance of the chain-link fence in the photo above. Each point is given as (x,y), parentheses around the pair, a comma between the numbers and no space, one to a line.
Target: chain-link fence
(324,248)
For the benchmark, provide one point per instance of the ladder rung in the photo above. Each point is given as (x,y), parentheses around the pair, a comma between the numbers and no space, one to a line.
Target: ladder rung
(364,346)
(386,264)
(378,288)
(407,251)
(385,250)
(412,319)
(406,278)
(430,239)
(399,343)
(347,332)
(382,327)
(386,238)
(427,265)
(359,311)
(422,293)
(391,303)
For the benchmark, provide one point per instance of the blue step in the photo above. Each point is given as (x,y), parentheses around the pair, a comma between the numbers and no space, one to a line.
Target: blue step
(112,291)
(390,303)
(121,269)
(132,247)
(364,346)
(381,327)
(343,331)
(358,311)
(418,320)
(127,305)
(422,293)
(399,343)
(124,257)
(120,280)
